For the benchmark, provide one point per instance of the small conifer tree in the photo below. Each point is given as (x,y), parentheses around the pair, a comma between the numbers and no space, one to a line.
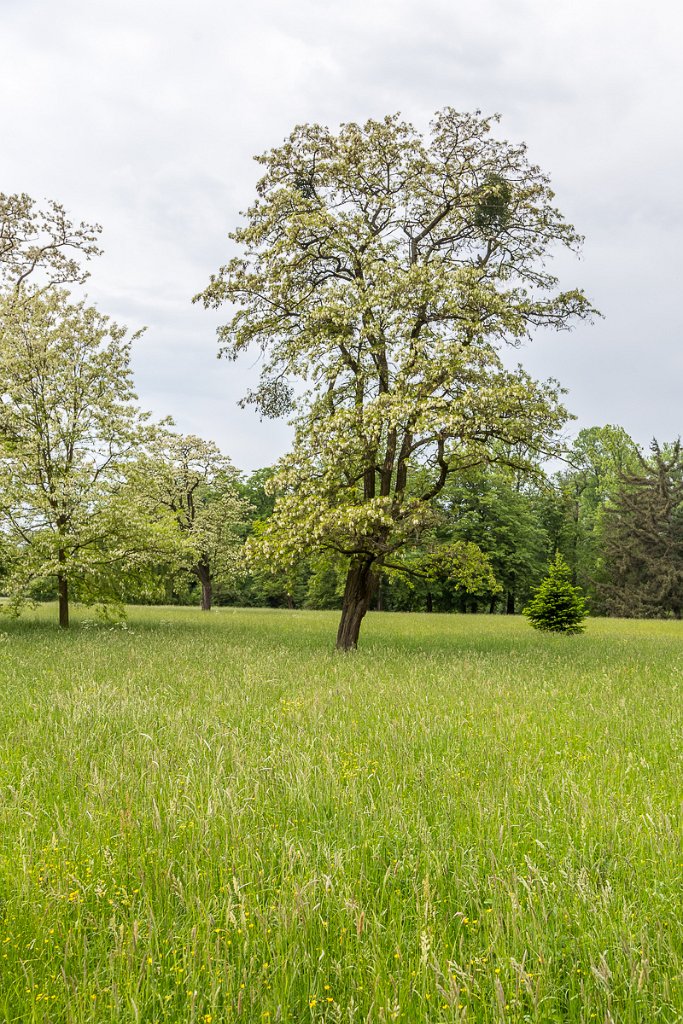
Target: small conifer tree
(557,606)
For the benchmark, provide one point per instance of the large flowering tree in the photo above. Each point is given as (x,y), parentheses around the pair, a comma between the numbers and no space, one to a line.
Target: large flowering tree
(385,270)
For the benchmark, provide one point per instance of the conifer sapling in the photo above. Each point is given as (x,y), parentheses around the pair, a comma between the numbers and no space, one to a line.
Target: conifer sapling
(557,606)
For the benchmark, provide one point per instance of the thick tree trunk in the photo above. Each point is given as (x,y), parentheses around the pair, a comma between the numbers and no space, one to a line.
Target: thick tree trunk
(360,584)
(430,601)
(63,593)
(204,574)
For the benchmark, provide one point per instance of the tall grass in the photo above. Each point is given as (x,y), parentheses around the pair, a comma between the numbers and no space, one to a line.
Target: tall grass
(217,818)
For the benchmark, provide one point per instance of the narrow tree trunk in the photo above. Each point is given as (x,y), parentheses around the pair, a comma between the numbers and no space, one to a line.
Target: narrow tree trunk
(204,574)
(360,583)
(510,605)
(63,592)
(379,606)
(430,601)
(492,605)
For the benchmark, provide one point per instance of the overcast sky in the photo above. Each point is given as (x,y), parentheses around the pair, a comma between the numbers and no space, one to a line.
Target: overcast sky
(144,115)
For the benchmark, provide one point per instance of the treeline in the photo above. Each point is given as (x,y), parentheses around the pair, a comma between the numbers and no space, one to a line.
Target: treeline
(613,512)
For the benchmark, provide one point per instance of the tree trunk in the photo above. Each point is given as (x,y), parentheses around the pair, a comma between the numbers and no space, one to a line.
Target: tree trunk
(510,606)
(492,605)
(360,583)
(204,574)
(63,592)
(430,601)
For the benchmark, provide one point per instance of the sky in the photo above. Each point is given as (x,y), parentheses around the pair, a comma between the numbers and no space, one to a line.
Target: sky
(144,115)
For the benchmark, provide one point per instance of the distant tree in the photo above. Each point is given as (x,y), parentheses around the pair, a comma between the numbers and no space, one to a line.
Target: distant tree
(597,460)
(69,427)
(463,565)
(557,606)
(385,271)
(325,582)
(642,538)
(196,485)
(499,509)
(266,584)
(254,489)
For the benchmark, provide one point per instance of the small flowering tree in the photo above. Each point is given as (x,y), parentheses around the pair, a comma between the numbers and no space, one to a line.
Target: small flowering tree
(557,606)
(190,481)
(69,430)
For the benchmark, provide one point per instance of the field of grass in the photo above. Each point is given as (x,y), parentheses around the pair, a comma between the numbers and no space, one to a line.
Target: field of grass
(217,818)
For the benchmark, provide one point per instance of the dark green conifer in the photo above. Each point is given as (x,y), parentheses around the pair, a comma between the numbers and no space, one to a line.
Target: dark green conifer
(557,606)
(642,539)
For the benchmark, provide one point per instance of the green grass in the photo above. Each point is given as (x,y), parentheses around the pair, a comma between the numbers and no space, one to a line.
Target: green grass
(217,818)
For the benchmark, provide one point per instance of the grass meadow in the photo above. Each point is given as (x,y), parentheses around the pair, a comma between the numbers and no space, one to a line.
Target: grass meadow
(209,818)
